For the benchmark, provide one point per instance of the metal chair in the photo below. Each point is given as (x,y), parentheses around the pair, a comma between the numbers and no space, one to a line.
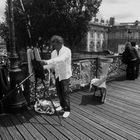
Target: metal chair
(99,82)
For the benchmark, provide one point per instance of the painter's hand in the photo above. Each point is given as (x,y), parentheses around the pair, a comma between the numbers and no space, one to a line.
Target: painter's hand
(44,62)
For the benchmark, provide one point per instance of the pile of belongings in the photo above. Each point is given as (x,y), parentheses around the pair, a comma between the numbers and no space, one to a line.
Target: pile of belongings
(45,106)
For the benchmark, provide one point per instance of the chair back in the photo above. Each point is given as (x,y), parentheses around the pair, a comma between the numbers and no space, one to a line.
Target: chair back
(102,71)
(103,67)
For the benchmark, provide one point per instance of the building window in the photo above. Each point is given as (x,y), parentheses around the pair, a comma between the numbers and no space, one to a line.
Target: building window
(92,34)
(136,35)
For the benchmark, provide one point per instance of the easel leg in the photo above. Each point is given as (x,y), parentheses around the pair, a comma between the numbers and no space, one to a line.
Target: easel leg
(51,101)
(35,88)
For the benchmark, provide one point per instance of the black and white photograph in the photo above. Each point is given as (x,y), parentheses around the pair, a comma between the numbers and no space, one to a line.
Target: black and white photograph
(69,69)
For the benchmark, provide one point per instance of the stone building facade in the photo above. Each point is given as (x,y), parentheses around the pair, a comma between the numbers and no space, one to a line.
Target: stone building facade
(118,35)
(109,36)
(97,37)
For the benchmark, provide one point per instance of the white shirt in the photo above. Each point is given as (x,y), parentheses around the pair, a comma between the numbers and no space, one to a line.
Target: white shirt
(61,63)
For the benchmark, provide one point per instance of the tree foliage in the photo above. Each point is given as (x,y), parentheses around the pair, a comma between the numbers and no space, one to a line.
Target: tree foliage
(68,18)
(3,30)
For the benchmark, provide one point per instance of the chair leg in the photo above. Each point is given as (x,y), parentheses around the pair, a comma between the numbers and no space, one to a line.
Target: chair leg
(95,89)
(103,95)
(90,87)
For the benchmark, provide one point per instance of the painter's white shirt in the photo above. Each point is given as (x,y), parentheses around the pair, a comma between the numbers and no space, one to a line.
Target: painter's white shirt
(61,63)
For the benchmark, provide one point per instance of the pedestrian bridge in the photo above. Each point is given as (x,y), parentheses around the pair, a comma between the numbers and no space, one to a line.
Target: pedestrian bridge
(117,119)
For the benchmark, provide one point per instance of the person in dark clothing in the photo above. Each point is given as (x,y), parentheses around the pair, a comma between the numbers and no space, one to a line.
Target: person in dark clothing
(129,58)
(137,62)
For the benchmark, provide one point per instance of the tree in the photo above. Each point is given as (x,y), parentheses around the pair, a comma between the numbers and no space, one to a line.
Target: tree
(4,33)
(3,30)
(68,18)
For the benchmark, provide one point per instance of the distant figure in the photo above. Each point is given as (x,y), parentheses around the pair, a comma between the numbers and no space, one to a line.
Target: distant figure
(137,62)
(129,58)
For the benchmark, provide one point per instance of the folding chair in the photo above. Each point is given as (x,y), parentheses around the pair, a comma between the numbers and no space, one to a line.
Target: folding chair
(99,82)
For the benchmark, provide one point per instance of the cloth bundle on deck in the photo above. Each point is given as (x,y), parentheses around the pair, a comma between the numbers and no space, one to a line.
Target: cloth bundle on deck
(45,106)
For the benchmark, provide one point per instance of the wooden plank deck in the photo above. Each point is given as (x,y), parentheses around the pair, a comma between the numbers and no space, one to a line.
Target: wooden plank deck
(117,119)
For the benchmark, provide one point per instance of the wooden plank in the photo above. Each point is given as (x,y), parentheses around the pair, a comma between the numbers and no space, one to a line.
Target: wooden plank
(130,93)
(20,126)
(127,111)
(126,131)
(4,133)
(90,127)
(133,83)
(117,97)
(115,116)
(12,129)
(110,128)
(49,125)
(118,118)
(69,127)
(120,104)
(31,129)
(118,114)
(71,121)
(97,123)
(126,86)
(128,125)
(123,96)
(39,126)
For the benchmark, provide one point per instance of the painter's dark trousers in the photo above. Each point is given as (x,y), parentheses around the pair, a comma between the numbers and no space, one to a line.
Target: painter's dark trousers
(63,91)
(137,65)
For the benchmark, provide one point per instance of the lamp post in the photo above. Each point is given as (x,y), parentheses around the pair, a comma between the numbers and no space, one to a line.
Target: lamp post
(14,72)
(13,55)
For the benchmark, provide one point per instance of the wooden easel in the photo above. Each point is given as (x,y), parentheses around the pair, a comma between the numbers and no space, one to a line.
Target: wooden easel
(42,78)
(28,25)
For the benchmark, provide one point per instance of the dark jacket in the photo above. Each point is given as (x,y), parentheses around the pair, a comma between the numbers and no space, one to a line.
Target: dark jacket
(128,55)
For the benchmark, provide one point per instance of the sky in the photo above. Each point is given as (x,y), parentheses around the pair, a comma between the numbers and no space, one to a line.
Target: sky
(121,10)
(2,7)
